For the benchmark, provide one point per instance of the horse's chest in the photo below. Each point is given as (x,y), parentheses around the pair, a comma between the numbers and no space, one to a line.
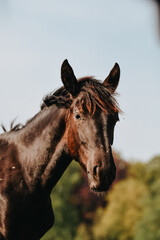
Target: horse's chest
(25,218)
(11,201)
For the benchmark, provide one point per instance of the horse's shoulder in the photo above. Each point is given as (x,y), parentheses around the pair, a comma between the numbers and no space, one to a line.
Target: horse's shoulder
(7,146)
(9,164)
(4,144)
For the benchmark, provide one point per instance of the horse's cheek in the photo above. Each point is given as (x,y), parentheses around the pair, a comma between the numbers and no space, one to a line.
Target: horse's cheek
(73,145)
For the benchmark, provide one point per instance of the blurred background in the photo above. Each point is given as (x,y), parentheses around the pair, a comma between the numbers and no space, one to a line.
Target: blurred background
(35,37)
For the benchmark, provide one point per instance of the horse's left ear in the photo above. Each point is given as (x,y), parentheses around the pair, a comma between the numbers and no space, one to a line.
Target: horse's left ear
(68,78)
(113,78)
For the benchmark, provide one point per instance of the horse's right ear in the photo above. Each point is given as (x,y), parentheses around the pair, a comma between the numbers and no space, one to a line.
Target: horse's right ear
(113,78)
(68,78)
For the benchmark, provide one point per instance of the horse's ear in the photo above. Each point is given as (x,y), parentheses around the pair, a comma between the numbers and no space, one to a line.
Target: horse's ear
(113,78)
(68,78)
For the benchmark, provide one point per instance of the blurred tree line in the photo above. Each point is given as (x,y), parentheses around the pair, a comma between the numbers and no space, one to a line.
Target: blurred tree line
(129,211)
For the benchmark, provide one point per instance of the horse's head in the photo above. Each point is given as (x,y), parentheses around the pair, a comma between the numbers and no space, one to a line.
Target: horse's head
(90,123)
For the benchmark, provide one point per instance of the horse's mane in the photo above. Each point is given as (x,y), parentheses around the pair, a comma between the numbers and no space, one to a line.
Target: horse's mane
(96,94)
(13,127)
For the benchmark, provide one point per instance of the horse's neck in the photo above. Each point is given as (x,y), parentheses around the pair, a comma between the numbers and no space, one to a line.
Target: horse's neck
(43,148)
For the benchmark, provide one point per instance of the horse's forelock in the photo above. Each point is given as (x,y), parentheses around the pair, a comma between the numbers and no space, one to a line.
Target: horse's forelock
(97,95)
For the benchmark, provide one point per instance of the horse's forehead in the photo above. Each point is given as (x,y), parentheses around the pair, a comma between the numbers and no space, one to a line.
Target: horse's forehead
(98,121)
(80,100)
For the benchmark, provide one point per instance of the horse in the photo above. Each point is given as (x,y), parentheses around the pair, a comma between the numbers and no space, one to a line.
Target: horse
(74,122)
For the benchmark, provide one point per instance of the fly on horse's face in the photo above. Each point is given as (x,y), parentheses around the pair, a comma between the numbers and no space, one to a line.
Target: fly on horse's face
(92,117)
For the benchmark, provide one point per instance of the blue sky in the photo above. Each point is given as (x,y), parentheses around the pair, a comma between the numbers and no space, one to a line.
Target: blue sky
(36,36)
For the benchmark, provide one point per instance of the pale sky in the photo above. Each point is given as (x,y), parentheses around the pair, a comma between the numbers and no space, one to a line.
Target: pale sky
(36,36)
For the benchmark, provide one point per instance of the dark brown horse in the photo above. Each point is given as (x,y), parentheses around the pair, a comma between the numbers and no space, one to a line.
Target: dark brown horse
(75,122)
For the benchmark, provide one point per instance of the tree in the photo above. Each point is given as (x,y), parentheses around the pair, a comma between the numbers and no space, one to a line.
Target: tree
(148,228)
(130,211)
(66,214)
(124,209)
(133,210)
(75,205)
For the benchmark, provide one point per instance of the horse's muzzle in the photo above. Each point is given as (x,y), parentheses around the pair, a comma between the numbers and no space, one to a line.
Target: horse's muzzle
(101,179)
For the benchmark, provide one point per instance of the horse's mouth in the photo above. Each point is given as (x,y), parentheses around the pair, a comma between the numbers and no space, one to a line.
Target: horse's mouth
(100,189)
(99,192)
(102,185)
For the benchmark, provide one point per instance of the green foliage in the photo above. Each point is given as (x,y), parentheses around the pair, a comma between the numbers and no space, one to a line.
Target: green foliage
(130,211)
(84,232)
(148,228)
(122,212)
(66,214)
(133,210)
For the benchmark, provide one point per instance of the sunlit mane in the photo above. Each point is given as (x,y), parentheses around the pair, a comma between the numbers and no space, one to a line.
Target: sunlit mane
(95,95)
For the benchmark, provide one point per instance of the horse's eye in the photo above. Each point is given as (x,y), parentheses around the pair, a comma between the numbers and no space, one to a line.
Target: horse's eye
(78,116)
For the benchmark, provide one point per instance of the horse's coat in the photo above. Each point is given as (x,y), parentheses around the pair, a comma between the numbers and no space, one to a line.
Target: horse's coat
(75,122)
